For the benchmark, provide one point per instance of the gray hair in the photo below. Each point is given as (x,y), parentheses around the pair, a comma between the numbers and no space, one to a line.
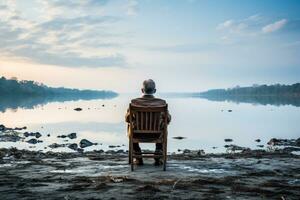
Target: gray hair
(149,86)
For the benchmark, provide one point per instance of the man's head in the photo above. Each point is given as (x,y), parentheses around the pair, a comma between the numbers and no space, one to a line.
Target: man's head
(149,87)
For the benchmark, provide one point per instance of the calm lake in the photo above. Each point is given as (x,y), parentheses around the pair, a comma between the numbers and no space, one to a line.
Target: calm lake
(204,123)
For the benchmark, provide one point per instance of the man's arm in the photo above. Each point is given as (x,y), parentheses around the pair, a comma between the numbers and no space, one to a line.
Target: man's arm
(168,117)
(127,116)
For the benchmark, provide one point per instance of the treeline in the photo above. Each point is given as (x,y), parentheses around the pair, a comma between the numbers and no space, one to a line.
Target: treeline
(13,87)
(257,90)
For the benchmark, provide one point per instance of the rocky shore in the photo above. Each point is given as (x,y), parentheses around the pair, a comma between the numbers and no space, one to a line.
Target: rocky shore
(106,175)
(240,173)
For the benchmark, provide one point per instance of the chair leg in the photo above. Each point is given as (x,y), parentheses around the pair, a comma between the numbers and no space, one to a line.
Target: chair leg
(129,152)
(165,155)
(131,156)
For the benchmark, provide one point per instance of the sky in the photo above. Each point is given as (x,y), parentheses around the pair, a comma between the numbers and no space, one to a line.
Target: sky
(184,45)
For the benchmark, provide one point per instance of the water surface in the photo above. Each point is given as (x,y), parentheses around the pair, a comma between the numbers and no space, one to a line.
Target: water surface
(204,123)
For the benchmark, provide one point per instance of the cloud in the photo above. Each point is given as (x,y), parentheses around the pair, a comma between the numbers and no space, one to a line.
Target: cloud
(225,25)
(184,48)
(274,26)
(132,8)
(246,26)
(75,34)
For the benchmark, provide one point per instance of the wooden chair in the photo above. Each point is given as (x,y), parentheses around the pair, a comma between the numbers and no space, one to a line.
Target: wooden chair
(150,121)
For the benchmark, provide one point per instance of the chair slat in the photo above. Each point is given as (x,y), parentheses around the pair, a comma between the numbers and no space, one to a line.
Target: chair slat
(150,121)
(146,121)
(137,121)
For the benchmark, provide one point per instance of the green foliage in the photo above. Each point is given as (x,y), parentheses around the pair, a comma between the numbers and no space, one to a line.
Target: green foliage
(258,90)
(13,87)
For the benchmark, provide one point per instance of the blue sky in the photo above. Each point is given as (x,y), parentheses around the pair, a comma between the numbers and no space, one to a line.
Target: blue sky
(185,45)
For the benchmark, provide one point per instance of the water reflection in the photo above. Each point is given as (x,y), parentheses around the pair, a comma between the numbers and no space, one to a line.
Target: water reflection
(262,100)
(15,102)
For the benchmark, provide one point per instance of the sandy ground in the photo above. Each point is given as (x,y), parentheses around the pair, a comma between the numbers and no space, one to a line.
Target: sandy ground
(98,175)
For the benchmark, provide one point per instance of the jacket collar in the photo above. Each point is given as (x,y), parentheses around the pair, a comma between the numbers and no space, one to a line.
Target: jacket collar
(148,96)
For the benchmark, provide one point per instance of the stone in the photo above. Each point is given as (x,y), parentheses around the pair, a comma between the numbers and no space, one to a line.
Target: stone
(55,145)
(33,141)
(186,151)
(72,136)
(179,137)
(9,138)
(73,146)
(114,146)
(85,143)
(78,109)
(120,151)
(228,140)
(32,134)
(80,150)
(2,127)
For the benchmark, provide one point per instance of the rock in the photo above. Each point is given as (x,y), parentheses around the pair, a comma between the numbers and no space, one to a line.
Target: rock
(48,135)
(120,151)
(214,147)
(2,127)
(229,110)
(85,143)
(55,145)
(33,134)
(273,141)
(284,142)
(73,146)
(258,140)
(114,146)
(99,151)
(179,137)
(78,109)
(80,150)
(72,136)
(110,152)
(260,146)
(103,105)
(34,141)
(193,152)
(228,140)
(298,142)
(9,138)
(290,149)
(19,129)
(186,151)
(233,148)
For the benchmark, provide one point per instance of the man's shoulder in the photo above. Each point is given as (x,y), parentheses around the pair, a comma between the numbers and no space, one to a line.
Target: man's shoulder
(148,101)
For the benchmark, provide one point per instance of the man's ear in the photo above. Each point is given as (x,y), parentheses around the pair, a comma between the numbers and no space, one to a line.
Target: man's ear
(143,91)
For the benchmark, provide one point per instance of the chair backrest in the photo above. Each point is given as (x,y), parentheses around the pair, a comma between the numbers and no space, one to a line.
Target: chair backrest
(148,119)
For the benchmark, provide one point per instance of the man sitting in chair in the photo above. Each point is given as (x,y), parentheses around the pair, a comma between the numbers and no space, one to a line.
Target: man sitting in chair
(147,100)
